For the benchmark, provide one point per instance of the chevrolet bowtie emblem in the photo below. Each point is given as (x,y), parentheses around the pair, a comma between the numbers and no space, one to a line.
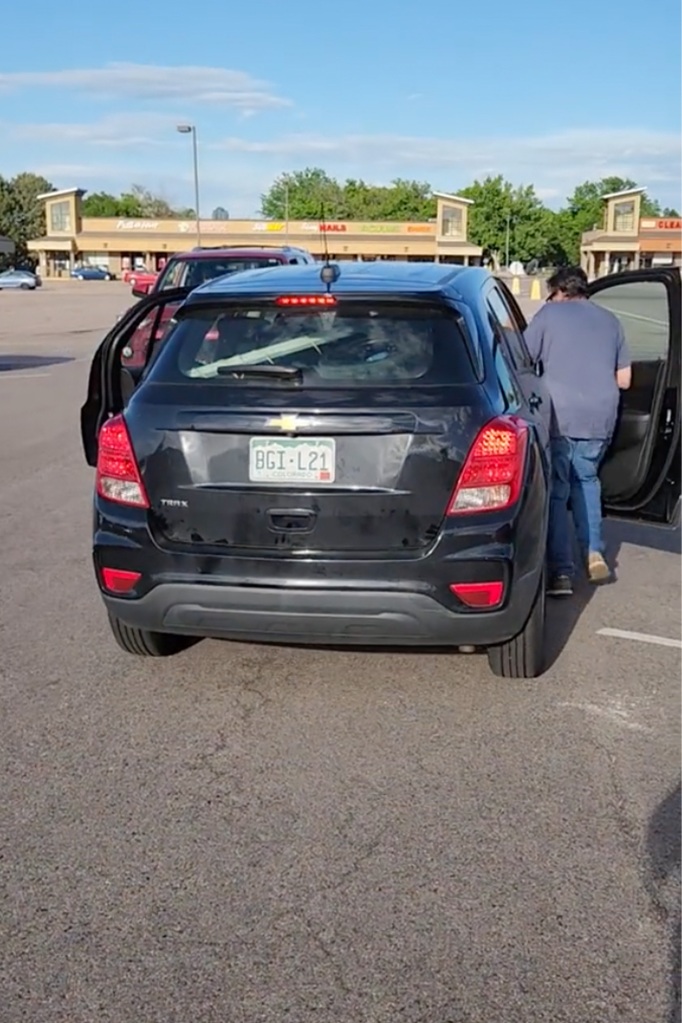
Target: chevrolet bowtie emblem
(287,424)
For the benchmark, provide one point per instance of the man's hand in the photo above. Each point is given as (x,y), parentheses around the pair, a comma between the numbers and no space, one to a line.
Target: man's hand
(624,377)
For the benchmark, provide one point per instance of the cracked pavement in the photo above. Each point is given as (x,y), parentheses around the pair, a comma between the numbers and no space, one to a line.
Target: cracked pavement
(247,834)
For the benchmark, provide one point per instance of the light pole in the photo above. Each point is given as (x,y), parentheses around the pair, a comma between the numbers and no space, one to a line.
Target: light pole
(507,240)
(190,129)
(286,209)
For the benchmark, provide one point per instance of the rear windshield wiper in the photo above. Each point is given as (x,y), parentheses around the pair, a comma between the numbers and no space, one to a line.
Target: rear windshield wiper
(292,373)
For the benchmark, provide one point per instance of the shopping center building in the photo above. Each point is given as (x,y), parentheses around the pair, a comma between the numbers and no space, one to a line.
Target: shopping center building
(122,243)
(624,241)
(627,241)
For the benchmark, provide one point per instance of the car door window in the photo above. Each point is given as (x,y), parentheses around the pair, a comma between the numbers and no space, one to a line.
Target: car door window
(510,329)
(643,310)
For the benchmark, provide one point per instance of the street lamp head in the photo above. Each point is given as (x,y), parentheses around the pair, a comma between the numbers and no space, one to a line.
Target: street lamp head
(185,129)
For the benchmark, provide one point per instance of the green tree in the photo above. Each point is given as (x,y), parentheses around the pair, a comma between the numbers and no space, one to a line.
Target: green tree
(309,194)
(504,213)
(154,206)
(103,204)
(22,215)
(220,213)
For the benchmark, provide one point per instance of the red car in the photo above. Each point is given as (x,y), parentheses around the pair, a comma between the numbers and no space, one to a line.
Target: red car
(140,277)
(192,269)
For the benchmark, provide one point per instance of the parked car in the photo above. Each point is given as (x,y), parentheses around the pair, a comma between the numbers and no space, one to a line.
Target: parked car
(140,278)
(24,280)
(193,268)
(358,456)
(92,273)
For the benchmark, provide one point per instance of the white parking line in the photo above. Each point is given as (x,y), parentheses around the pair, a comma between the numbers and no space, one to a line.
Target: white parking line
(640,637)
(9,375)
(637,316)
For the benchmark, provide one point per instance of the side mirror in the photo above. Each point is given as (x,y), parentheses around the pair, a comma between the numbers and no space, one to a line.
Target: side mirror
(141,290)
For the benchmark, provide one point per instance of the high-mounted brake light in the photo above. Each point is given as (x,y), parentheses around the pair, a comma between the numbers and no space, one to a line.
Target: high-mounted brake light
(306,300)
(492,476)
(118,476)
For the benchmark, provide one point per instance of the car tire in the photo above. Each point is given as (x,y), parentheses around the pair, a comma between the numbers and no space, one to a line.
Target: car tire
(524,655)
(24,287)
(144,643)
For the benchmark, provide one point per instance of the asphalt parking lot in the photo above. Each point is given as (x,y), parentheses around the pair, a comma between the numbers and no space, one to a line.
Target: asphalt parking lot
(247,834)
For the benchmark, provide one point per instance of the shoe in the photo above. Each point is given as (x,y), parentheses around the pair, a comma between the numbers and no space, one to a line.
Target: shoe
(560,586)
(597,569)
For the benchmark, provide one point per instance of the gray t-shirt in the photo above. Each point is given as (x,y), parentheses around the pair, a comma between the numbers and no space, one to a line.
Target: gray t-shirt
(581,346)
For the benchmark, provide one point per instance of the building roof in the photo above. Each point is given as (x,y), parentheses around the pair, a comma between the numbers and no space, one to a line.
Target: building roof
(625,191)
(454,198)
(62,191)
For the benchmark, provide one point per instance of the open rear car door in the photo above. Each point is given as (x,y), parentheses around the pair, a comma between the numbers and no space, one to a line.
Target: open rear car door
(112,378)
(640,475)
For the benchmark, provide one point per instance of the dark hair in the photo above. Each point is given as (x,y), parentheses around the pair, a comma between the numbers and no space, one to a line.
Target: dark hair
(571,280)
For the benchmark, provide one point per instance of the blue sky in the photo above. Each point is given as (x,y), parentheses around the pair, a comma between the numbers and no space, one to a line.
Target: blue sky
(443,91)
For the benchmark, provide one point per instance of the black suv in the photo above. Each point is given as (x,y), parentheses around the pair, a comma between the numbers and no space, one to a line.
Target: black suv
(353,455)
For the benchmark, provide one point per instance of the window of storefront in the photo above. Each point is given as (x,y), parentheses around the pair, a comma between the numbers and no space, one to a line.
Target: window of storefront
(95,259)
(452,222)
(60,217)
(624,216)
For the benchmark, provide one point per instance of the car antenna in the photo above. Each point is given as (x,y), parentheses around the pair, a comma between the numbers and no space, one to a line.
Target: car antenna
(330,272)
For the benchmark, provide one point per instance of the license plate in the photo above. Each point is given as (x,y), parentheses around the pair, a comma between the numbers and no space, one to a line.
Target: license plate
(292,460)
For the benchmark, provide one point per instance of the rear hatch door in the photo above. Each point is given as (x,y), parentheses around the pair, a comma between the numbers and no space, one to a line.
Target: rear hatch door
(333,428)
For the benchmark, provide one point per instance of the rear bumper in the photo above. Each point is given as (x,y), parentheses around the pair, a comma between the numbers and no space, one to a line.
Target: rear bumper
(322,616)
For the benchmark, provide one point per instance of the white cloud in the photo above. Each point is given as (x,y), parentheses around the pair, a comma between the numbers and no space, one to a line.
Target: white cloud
(139,82)
(554,163)
(143,146)
(117,130)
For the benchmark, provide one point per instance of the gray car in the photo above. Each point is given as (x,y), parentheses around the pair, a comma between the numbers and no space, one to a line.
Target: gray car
(22,279)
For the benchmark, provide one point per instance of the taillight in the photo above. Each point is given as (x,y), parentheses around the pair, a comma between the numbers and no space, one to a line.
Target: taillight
(306,300)
(492,476)
(119,580)
(118,477)
(479,594)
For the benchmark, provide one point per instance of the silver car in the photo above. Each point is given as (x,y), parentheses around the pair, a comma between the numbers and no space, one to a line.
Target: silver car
(22,279)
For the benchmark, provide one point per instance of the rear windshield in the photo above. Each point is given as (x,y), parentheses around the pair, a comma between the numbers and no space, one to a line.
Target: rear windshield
(355,343)
(190,273)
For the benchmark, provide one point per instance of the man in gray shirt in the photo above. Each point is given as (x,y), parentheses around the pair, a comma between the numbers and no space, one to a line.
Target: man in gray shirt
(586,364)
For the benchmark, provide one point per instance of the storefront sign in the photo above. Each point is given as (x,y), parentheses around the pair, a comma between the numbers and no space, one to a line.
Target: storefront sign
(137,225)
(261,225)
(669,225)
(379,228)
(420,228)
(328,228)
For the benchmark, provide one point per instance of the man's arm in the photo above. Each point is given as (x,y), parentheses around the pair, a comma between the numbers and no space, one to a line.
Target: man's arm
(534,335)
(623,362)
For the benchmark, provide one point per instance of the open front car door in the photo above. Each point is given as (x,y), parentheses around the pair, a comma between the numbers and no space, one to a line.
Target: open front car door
(640,475)
(121,359)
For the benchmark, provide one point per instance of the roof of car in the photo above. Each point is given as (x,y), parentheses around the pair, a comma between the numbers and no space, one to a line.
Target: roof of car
(240,252)
(354,277)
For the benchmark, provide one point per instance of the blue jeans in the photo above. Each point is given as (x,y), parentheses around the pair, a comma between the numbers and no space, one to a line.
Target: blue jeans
(575,467)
